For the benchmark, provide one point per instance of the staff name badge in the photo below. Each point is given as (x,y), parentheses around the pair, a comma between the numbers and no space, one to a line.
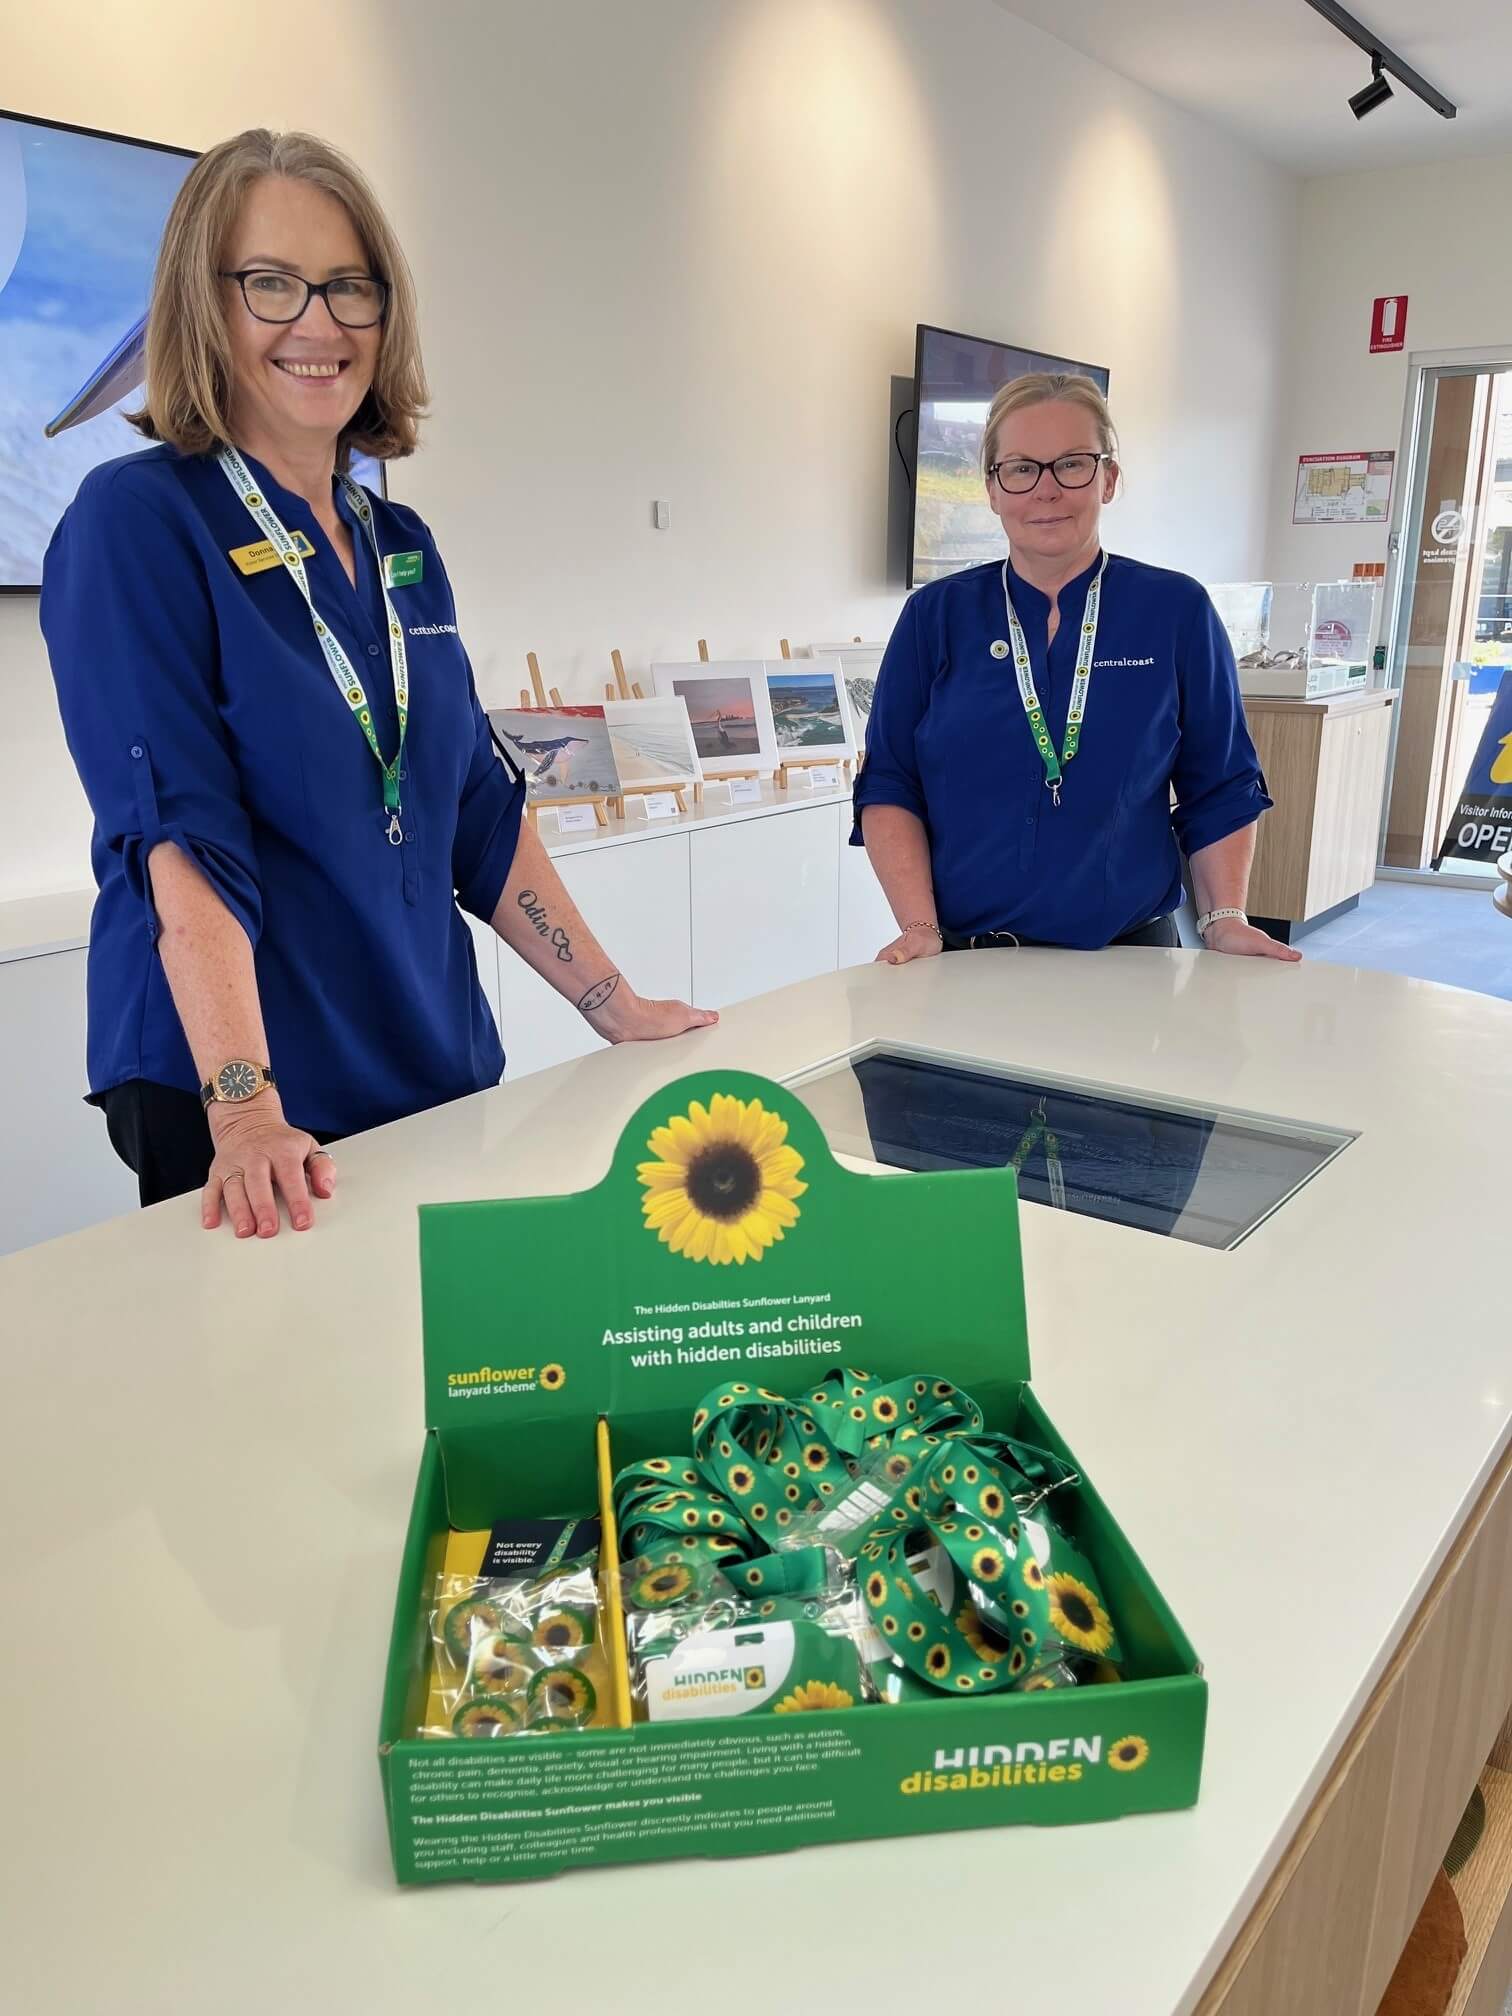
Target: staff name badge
(402,570)
(263,554)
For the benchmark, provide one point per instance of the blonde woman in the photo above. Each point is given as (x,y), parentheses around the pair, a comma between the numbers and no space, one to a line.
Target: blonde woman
(272,713)
(1034,717)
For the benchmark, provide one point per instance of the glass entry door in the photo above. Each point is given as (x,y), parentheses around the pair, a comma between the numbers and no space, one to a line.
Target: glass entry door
(1450,805)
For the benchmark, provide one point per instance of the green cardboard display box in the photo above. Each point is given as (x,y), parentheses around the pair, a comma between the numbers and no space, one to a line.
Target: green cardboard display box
(564,1339)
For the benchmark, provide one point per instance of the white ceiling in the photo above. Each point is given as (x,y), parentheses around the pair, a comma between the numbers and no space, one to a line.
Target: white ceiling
(1276,76)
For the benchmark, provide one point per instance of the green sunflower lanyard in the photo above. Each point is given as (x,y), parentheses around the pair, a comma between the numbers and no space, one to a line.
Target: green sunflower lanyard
(1055,767)
(939,1481)
(240,477)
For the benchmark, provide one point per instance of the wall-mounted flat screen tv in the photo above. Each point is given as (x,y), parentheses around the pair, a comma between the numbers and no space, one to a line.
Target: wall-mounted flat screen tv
(955,380)
(81,214)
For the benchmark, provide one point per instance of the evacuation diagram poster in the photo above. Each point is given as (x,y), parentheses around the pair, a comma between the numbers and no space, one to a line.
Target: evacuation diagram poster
(1350,488)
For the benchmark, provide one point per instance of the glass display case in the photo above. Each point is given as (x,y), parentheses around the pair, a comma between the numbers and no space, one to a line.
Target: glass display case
(1299,640)
(1181,1170)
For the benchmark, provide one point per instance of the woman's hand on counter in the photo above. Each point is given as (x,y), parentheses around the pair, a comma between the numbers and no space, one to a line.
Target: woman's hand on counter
(258,1158)
(1232,934)
(616,1012)
(914,943)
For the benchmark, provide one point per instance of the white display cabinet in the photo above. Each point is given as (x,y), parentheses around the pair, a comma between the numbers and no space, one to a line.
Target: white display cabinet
(765,906)
(57,1168)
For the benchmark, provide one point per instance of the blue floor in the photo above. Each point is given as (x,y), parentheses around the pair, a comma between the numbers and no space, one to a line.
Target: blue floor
(1456,936)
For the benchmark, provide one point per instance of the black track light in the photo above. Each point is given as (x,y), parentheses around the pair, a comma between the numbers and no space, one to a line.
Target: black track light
(1375,93)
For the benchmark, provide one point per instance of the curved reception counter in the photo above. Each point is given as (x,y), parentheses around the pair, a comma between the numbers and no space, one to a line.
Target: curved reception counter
(1268,1300)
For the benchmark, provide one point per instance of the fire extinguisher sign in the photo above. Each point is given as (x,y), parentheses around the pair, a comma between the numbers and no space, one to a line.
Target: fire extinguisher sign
(1388,323)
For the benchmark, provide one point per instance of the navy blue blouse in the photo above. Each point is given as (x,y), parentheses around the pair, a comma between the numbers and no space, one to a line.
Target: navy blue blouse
(199,709)
(948,740)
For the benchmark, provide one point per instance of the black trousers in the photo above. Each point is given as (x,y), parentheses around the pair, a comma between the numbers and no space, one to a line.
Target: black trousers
(160,1132)
(1159,931)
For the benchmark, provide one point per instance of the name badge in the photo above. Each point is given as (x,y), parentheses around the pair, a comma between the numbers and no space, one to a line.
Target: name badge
(263,554)
(402,570)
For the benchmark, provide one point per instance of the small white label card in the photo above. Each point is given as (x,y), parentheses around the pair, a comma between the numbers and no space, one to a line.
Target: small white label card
(660,805)
(745,790)
(823,776)
(576,819)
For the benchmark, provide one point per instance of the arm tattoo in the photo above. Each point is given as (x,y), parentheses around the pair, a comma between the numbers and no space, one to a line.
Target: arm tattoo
(598,994)
(555,936)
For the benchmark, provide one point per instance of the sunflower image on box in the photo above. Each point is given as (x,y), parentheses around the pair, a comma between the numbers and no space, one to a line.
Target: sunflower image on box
(724,1186)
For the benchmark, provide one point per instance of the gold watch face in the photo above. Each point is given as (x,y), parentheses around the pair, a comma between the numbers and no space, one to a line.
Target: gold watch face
(236,1081)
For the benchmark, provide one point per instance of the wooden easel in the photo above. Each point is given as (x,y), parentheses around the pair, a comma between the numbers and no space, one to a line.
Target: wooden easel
(625,688)
(549,696)
(544,697)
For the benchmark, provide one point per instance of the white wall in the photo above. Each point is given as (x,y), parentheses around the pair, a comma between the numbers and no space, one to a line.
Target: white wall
(677,250)
(1437,234)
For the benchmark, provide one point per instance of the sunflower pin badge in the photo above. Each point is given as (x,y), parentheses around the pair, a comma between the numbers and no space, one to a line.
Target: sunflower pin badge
(724,1186)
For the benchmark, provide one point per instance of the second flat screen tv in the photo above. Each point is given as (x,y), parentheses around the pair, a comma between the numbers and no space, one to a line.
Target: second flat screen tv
(955,379)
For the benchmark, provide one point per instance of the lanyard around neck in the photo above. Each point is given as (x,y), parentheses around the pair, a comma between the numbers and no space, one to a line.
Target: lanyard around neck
(1086,645)
(241,479)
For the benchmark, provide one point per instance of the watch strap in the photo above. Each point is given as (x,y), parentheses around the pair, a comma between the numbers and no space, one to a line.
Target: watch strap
(1210,917)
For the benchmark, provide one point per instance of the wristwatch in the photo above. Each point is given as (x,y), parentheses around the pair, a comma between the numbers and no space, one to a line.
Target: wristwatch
(1211,917)
(235,1083)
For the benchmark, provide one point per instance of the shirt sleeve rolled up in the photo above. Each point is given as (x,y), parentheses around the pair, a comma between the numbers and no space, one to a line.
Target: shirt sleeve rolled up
(890,772)
(1217,778)
(132,639)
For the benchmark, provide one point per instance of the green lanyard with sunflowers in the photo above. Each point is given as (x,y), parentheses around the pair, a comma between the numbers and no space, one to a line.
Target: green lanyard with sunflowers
(741,1512)
(241,479)
(1055,767)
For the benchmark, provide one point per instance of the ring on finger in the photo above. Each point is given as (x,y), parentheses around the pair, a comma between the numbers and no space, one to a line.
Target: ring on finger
(314,1152)
(238,1174)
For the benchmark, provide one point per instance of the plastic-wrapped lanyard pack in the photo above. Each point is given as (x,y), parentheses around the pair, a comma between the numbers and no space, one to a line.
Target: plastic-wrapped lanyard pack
(519,1655)
(880,1518)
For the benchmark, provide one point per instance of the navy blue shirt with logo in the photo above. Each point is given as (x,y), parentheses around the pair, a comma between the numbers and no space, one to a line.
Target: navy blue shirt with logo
(200,710)
(948,740)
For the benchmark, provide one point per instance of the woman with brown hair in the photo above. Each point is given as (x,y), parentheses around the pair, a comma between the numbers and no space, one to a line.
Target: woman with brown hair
(269,705)
(1050,729)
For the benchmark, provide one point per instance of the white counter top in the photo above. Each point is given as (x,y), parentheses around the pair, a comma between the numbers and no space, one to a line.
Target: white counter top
(213,1447)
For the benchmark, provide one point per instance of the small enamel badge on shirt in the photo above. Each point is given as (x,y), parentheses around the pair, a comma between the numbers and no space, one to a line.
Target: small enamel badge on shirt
(402,570)
(999,648)
(263,554)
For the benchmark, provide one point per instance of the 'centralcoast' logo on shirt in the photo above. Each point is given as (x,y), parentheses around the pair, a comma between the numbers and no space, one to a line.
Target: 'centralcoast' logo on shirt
(449,630)
(1099,663)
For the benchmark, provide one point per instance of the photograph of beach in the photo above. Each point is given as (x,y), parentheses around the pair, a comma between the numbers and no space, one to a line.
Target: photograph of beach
(723,715)
(652,741)
(806,710)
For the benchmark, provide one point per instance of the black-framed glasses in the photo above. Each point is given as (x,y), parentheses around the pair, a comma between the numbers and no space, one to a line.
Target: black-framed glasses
(1017,475)
(355,300)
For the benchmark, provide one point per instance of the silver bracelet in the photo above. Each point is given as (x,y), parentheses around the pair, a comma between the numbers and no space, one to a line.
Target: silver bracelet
(920,925)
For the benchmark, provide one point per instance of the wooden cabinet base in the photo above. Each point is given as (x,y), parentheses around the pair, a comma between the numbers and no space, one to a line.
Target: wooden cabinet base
(1329,1928)
(1325,766)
